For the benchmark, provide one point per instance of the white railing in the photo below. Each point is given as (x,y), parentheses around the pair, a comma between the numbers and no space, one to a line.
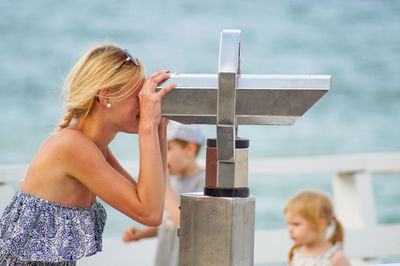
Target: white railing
(352,196)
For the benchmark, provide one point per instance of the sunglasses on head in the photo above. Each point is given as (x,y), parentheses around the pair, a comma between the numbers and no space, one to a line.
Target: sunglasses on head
(129,57)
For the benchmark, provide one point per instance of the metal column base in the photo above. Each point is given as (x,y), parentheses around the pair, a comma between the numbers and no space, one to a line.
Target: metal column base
(216,231)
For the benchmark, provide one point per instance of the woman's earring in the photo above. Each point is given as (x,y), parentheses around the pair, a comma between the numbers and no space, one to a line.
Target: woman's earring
(108,105)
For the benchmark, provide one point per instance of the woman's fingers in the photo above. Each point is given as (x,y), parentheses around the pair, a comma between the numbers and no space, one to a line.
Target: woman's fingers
(167,89)
(158,72)
(161,77)
(154,80)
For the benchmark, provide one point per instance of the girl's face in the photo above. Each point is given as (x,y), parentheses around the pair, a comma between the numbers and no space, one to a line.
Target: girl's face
(299,229)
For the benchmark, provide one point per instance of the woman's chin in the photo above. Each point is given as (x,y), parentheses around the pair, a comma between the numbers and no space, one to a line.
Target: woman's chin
(134,129)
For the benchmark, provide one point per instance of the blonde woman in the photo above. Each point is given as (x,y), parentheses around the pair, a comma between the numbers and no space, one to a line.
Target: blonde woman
(309,215)
(54,218)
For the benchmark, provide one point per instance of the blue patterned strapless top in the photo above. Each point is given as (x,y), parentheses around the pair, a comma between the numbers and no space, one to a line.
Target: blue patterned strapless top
(35,229)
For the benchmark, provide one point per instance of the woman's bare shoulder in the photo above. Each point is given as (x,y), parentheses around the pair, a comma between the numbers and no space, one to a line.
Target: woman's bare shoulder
(69,139)
(66,143)
(70,151)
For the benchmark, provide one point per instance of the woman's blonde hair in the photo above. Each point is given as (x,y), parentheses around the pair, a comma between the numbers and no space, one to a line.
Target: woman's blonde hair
(314,206)
(102,67)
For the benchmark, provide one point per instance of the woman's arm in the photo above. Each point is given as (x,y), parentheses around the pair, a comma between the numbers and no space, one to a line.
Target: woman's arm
(151,184)
(163,147)
(117,166)
(81,159)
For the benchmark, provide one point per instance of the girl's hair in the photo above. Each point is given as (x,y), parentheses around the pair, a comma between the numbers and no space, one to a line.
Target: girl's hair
(314,206)
(102,67)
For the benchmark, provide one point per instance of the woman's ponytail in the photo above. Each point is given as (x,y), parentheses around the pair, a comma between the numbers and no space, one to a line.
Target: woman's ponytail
(71,114)
(67,120)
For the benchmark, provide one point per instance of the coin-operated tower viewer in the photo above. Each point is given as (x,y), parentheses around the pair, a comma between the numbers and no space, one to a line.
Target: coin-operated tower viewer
(217,226)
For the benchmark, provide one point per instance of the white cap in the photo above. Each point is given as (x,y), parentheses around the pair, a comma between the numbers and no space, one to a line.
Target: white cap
(190,133)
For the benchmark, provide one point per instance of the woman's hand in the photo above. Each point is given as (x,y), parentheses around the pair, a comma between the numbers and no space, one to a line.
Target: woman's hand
(150,100)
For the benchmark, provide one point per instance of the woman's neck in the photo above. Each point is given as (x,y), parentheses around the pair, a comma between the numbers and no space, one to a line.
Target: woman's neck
(100,134)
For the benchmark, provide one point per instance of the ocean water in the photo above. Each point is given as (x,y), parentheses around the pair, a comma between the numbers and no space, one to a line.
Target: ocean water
(357,42)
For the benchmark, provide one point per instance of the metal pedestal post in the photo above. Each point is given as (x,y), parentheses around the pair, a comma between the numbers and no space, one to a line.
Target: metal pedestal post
(216,231)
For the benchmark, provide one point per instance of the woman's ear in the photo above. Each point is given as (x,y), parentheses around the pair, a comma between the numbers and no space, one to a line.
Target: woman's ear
(103,97)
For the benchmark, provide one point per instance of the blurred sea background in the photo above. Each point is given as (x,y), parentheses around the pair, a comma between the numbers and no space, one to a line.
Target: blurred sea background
(357,42)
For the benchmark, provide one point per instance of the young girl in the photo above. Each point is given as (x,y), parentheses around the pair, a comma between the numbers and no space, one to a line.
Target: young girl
(54,218)
(309,216)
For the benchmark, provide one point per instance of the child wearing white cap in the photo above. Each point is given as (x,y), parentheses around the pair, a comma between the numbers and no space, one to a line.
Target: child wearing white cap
(184,143)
